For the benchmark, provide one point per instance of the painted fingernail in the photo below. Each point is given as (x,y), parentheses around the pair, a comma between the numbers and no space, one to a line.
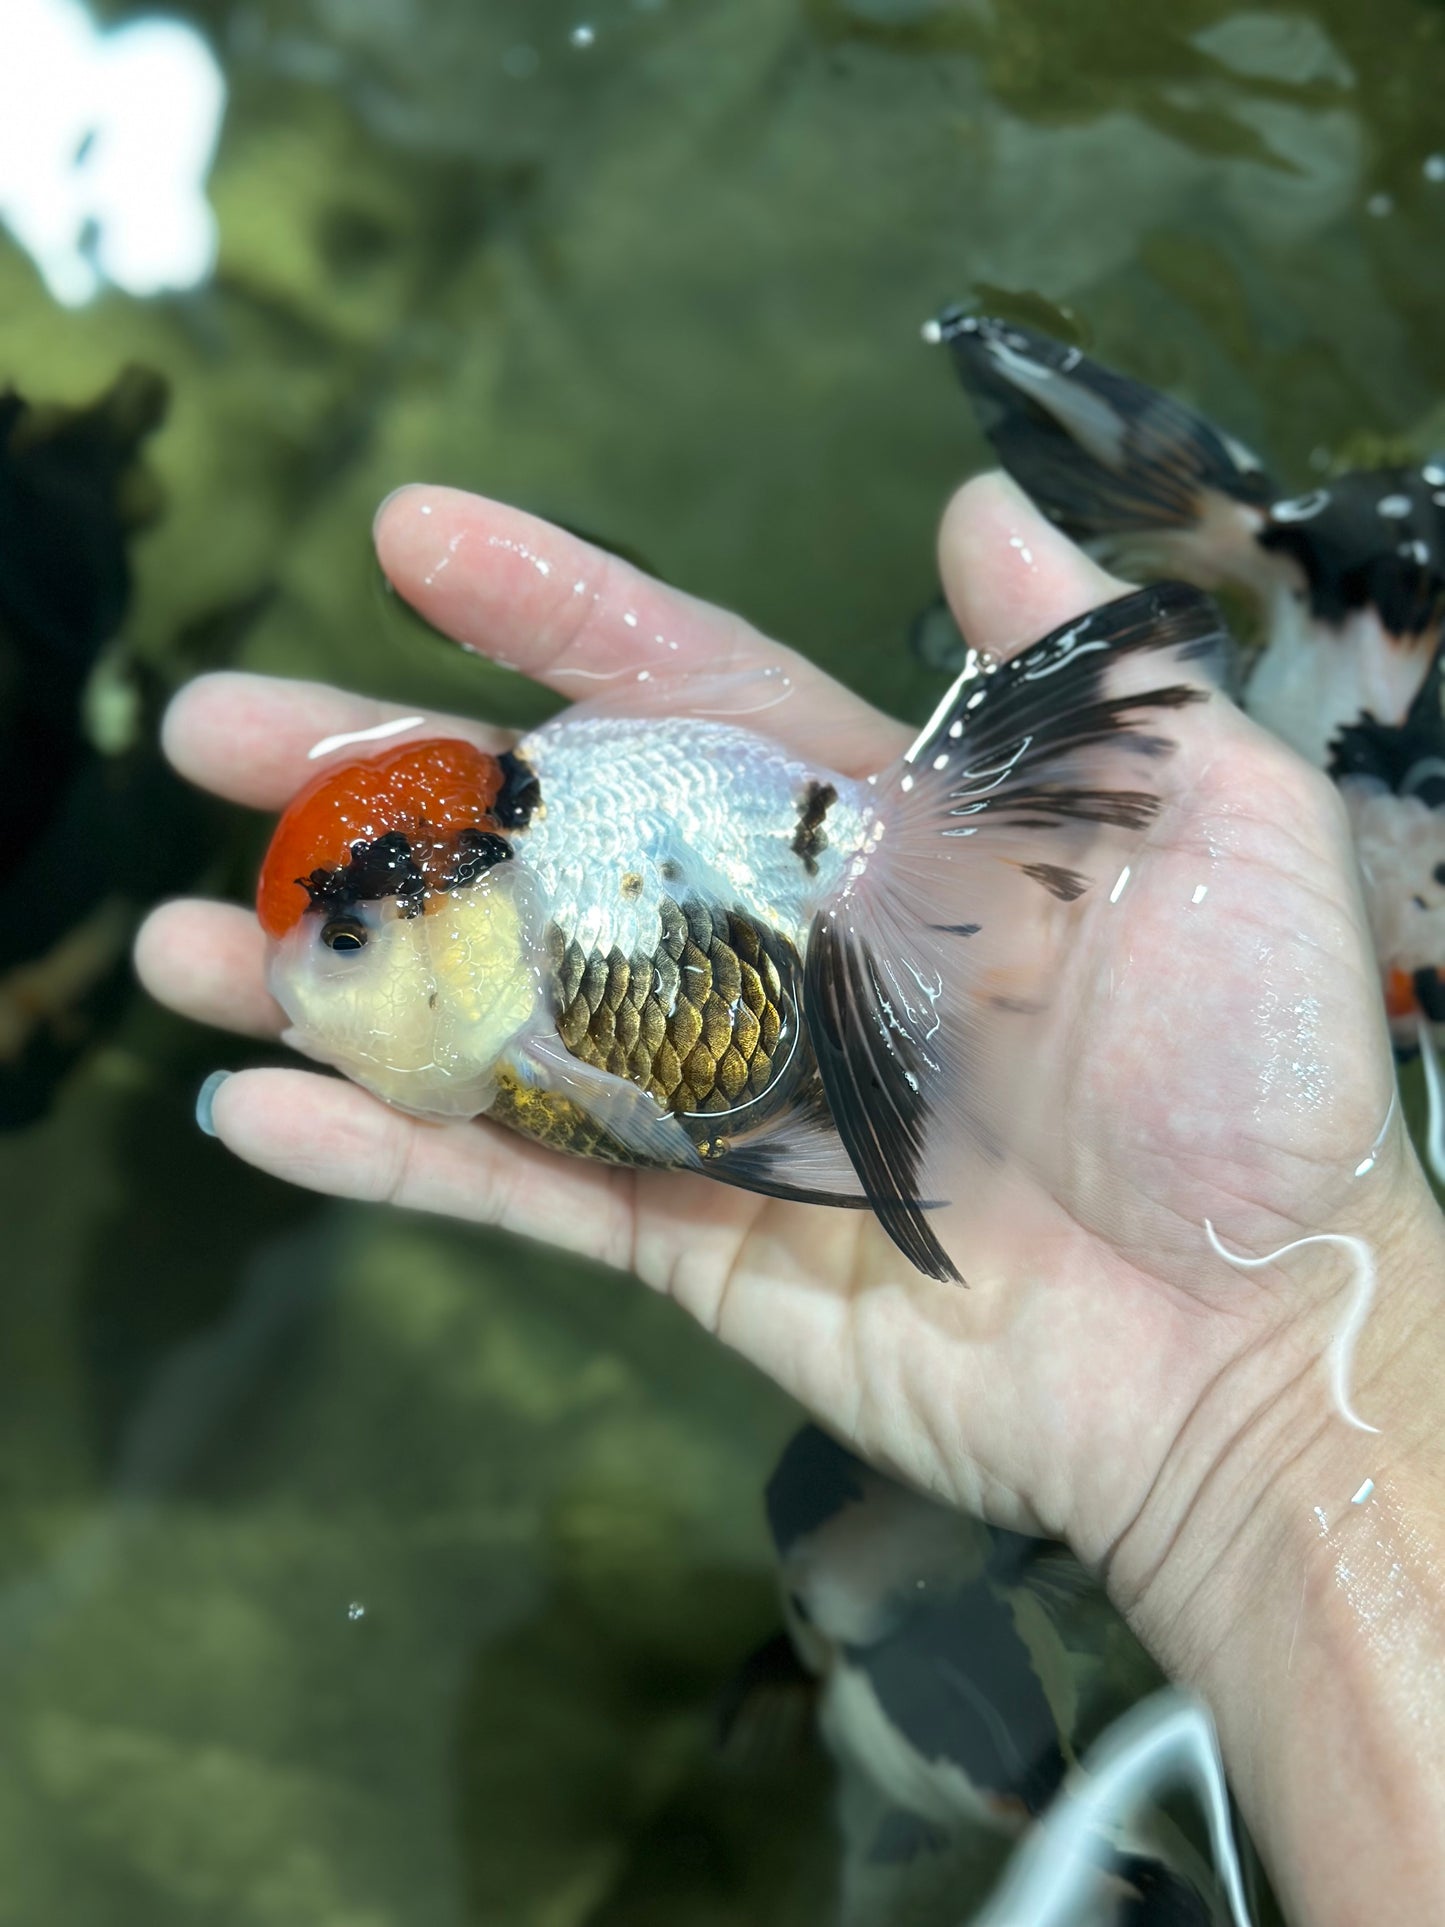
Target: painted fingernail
(206,1100)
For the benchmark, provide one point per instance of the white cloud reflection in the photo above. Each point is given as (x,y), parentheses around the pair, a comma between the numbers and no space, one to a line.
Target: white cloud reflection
(106,139)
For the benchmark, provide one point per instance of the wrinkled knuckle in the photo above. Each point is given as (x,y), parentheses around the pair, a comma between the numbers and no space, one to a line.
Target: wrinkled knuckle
(576,617)
(1316,790)
(396,1154)
(1297,789)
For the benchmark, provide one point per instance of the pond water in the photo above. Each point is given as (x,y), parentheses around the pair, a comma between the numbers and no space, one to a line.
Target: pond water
(364,1570)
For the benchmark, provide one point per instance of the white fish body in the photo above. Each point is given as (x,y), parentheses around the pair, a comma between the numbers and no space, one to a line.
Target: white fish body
(697,806)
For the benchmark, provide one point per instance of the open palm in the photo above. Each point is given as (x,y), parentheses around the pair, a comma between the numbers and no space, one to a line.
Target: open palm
(1216,1052)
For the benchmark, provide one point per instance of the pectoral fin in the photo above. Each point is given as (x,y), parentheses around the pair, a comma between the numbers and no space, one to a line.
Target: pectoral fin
(632,1119)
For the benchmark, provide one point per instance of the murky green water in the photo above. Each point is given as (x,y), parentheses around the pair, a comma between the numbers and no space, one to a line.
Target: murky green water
(363,1571)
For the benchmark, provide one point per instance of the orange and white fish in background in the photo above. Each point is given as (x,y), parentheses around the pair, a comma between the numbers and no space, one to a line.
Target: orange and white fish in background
(676,943)
(1349,576)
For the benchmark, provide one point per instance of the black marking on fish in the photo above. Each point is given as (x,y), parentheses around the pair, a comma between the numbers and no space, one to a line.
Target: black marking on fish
(476,851)
(383,867)
(1067,885)
(957,929)
(520,794)
(1402,756)
(812,1482)
(1373,539)
(957,1681)
(810,839)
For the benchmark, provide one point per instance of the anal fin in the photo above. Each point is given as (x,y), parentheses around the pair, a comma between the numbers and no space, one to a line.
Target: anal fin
(798,1157)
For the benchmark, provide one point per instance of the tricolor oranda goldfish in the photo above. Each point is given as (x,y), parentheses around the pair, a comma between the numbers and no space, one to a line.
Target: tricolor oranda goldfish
(675,943)
(1350,577)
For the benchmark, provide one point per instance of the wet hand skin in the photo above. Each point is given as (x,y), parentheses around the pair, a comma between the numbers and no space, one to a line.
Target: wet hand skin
(1109,1379)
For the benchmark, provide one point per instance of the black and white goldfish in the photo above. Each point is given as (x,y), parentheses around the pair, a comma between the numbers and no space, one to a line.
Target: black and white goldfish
(675,943)
(955,1670)
(1349,577)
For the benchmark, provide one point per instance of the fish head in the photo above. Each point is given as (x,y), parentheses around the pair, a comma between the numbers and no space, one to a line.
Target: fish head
(405,943)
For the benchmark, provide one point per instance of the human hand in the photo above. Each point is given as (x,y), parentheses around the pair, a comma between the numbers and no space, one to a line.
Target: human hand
(1218,1059)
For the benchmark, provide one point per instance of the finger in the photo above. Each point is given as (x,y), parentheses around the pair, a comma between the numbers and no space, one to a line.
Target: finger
(1011,578)
(1009,575)
(207,962)
(329,1136)
(536,599)
(254,739)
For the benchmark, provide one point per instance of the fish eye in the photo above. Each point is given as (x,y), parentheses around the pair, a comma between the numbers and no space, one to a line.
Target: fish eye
(344,933)
(1439,873)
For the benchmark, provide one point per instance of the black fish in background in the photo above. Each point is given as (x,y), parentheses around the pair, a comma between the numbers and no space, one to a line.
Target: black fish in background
(88,837)
(1349,579)
(947,1664)
(72,493)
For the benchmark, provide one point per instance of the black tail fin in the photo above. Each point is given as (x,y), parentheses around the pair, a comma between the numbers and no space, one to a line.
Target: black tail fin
(1025,798)
(1113,463)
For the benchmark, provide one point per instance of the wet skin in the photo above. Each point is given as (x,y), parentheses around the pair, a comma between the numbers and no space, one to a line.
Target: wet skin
(1105,1376)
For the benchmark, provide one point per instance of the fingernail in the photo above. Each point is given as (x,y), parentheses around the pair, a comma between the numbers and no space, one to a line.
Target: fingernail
(206,1100)
(386,501)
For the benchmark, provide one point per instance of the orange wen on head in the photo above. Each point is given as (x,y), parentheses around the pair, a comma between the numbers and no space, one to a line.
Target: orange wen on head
(428,791)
